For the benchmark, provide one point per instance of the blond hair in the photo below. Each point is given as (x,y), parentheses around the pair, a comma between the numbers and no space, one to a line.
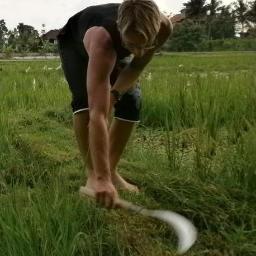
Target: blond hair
(142,16)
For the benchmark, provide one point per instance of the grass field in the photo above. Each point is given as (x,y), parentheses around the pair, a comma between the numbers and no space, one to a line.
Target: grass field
(194,152)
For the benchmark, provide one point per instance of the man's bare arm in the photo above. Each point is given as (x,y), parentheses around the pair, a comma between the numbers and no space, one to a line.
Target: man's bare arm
(131,72)
(102,59)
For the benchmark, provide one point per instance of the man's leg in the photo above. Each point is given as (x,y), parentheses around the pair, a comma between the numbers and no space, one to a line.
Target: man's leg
(120,132)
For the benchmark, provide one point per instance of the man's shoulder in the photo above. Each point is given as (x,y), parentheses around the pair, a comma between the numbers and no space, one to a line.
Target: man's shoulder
(99,37)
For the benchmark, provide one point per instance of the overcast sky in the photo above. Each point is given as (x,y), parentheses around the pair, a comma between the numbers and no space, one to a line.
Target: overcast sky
(54,13)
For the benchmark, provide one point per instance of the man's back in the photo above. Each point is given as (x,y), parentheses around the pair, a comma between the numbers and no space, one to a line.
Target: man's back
(99,15)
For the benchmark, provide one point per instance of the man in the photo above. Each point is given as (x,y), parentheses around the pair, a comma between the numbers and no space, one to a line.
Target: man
(94,47)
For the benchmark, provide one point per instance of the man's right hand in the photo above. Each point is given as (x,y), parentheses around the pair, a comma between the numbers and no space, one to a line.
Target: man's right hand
(104,190)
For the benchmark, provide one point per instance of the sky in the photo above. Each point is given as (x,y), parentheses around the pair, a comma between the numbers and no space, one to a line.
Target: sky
(55,13)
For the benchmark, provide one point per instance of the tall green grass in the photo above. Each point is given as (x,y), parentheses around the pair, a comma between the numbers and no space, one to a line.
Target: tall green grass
(193,152)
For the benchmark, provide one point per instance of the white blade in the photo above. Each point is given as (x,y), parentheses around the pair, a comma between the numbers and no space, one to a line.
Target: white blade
(184,229)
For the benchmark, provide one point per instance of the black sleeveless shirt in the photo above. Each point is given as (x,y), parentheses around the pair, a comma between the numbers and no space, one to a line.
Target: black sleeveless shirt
(100,15)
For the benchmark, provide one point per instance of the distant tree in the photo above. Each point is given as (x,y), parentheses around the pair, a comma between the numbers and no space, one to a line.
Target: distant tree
(12,36)
(223,25)
(43,29)
(28,38)
(3,32)
(251,14)
(187,36)
(195,9)
(213,7)
(241,14)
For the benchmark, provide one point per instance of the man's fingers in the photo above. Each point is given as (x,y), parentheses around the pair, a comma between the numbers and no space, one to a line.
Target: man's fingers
(105,200)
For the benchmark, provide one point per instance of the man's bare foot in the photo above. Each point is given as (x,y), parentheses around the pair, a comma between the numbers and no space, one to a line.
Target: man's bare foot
(121,184)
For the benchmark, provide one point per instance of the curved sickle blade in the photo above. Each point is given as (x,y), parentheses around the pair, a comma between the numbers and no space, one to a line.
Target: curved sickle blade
(183,228)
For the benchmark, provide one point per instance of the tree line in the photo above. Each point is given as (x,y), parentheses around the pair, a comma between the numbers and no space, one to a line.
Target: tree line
(210,24)
(23,39)
(206,23)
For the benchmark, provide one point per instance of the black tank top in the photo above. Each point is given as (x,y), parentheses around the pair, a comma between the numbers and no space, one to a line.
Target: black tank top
(99,15)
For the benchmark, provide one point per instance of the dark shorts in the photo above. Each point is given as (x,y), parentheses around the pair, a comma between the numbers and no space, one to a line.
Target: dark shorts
(74,63)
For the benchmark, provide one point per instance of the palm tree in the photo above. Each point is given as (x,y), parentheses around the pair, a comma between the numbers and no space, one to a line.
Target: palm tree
(195,9)
(213,7)
(251,14)
(3,31)
(241,14)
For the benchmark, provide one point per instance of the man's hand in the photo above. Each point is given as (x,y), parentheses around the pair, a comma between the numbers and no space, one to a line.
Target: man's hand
(105,192)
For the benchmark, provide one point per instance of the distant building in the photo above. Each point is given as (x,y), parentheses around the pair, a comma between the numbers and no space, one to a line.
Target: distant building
(178,18)
(51,36)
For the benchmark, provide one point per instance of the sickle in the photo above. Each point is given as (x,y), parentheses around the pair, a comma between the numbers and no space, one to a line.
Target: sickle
(184,229)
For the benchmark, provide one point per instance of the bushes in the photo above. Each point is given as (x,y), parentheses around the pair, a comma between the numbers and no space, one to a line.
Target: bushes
(7,52)
(200,35)
(228,45)
(191,37)
(186,37)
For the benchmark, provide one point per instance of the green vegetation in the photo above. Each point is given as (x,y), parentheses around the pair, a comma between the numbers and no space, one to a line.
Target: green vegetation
(211,26)
(228,45)
(194,153)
